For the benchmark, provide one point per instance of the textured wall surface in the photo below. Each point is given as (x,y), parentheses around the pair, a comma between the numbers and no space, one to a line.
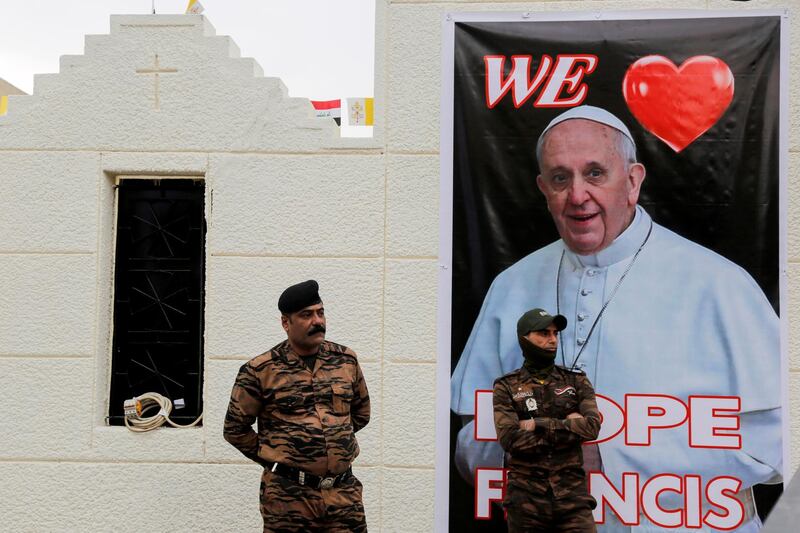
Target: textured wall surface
(286,199)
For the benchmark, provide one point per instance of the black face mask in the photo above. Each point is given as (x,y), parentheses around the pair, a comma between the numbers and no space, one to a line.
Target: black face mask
(536,358)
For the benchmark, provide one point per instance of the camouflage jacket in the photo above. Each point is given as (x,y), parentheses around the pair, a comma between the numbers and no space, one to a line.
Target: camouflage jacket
(305,419)
(555,443)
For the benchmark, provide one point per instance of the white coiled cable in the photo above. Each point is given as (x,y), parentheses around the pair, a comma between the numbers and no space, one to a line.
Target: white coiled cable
(147,401)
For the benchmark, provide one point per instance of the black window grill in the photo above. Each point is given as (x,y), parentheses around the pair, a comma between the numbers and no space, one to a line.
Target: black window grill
(159,280)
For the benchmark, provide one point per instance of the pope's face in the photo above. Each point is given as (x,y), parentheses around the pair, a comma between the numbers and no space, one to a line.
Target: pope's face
(591,190)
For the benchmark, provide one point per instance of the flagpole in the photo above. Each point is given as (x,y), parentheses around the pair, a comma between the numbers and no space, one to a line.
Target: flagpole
(154,6)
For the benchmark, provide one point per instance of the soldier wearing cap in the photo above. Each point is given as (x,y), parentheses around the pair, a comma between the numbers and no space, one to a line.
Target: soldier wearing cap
(309,397)
(542,414)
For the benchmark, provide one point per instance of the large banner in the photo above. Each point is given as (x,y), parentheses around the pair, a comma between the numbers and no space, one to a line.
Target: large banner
(670,277)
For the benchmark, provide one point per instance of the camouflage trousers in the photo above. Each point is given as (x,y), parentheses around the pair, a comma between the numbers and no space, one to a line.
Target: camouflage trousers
(289,507)
(531,505)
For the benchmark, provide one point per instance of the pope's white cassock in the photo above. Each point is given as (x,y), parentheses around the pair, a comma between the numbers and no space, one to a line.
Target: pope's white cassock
(684,321)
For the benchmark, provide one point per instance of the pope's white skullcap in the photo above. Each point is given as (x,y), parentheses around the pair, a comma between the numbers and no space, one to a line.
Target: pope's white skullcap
(595,114)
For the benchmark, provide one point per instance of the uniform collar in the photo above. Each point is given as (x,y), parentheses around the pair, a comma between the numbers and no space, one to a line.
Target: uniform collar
(624,246)
(285,352)
(526,374)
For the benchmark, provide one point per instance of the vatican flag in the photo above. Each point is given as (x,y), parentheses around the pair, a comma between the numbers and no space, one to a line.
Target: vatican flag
(194,7)
(360,111)
(3,105)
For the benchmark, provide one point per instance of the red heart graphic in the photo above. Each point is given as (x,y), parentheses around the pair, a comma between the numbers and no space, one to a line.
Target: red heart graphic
(678,105)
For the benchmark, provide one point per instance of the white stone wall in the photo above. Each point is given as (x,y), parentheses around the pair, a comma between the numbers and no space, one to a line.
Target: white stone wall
(286,199)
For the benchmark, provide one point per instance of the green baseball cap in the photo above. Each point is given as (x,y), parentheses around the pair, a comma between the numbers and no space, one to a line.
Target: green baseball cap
(538,319)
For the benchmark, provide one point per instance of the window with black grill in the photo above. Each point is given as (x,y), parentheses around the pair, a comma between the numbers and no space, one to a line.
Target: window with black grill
(159,279)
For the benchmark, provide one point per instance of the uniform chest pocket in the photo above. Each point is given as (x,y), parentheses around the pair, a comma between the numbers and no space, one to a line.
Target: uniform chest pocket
(342,396)
(566,400)
(288,402)
(527,407)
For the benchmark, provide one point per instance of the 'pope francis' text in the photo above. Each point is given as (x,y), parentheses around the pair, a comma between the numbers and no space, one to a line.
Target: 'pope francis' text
(710,421)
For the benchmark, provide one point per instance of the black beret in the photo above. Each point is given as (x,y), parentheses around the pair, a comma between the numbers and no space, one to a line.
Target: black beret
(299,297)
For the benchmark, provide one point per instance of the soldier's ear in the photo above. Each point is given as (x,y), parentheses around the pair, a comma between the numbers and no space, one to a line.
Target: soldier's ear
(285,323)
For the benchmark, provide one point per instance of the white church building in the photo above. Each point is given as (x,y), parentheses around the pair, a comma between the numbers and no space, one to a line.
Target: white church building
(162,112)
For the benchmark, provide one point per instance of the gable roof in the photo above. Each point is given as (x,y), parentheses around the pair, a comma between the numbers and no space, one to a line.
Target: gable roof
(162,83)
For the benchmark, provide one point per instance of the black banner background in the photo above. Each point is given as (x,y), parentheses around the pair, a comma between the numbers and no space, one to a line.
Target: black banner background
(721,191)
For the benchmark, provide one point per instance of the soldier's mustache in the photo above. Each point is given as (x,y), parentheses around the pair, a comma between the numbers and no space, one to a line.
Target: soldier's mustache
(319,328)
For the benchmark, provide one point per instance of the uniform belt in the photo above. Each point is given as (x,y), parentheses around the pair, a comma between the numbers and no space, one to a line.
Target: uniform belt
(301,477)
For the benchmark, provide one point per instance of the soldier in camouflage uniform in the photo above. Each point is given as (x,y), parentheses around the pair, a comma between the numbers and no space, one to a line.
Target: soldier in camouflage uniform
(309,398)
(542,414)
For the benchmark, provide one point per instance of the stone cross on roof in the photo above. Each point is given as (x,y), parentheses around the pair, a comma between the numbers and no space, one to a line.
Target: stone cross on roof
(155,70)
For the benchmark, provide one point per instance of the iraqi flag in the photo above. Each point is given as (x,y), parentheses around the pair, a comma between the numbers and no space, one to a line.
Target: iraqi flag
(328,109)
